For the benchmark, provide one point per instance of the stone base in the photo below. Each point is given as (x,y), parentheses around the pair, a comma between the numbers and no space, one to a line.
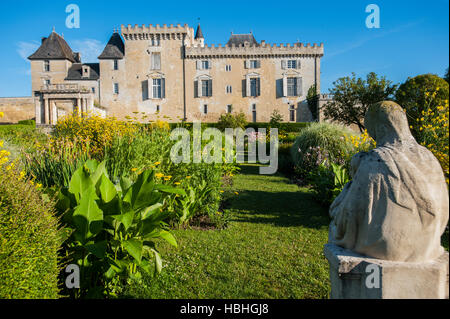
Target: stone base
(354,276)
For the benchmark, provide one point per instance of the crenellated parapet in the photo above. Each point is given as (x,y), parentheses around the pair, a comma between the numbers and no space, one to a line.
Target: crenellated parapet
(260,50)
(146,32)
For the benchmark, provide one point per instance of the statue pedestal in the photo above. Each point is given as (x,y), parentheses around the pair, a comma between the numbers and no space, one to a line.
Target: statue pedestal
(354,276)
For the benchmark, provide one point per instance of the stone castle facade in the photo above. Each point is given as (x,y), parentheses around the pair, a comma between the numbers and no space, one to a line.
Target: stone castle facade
(169,71)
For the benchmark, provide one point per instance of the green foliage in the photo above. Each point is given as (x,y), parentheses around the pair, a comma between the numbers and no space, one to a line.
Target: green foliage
(127,156)
(30,237)
(285,127)
(229,120)
(313,101)
(318,143)
(55,165)
(414,96)
(352,97)
(447,76)
(328,181)
(27,122)
(275,119)
(114,226)
(27,136)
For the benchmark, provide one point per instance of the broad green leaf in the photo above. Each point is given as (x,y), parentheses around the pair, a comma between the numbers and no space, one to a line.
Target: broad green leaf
(134,248)
(170,189)
(91,166)
(87,217)
(80,183)
(107,189)
(168,237)
(126,219)
(98,172)
(158,261)
(125,184)
(98,249)
(147,212)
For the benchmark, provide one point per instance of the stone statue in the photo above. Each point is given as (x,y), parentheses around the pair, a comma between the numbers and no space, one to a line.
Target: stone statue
(397,205)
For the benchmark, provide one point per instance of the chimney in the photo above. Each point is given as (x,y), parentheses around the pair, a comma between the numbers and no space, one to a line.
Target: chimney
(43,39)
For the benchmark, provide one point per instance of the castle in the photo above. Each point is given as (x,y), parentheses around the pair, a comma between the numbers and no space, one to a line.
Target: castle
(170,71)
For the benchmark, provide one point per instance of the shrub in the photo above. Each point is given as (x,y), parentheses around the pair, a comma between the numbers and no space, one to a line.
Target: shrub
(284,127)
(55,163)
(30,238)
(27,122)
(94,131)
(229,120)
(113,227)
(321,142)
(275,119)
(426,91)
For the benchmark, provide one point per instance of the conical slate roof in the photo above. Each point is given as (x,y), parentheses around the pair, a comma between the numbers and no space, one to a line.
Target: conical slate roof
(240,39)
(53,47)
(115,49)
(199,33)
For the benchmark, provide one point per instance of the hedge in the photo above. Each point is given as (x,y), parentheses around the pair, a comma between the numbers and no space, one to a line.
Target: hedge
(30,238)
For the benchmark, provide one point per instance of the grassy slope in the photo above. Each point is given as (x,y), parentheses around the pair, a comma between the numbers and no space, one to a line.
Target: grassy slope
(272,248)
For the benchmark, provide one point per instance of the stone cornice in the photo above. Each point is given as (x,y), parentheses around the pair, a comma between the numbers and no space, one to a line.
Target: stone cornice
(262,50)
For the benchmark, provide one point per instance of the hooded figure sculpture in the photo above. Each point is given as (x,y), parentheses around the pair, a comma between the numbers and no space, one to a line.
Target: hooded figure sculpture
(396,206)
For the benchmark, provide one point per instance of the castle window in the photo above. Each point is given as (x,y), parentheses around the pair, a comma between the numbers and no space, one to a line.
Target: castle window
(116,88)
(158,88)
(292,64)
(255,88)
(47,82)
(158,108)
(292,113)
(228,68)
(205,109)
(229,89)
(46,66)
(93,90)
(254,64)
(203,65)
(156,61)
(206,88)
(116,65)
(229,108)
(254,113)
(292,86)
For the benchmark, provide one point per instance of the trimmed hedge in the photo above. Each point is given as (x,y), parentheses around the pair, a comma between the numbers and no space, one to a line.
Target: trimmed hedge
(286,127)
(27,122)
(30,238)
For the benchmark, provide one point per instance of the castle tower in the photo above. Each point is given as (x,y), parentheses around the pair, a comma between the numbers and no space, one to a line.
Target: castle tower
(199,36)
(51,62)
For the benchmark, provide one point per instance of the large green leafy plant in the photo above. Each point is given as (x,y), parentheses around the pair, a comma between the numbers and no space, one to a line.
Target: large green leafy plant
(113,227)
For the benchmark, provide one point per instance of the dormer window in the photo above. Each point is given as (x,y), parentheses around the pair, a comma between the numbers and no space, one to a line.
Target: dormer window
(86,71)
(46,66)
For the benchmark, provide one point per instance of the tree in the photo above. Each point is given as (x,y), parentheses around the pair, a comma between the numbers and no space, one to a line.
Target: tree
(414,95)
(313,101)
(353,96)
(446,76)
(276,118)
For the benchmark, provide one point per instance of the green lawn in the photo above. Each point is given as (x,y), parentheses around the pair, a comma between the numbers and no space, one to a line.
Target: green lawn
(271,249)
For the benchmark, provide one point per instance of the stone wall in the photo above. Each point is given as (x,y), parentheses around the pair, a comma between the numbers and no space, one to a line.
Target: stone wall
(17,109)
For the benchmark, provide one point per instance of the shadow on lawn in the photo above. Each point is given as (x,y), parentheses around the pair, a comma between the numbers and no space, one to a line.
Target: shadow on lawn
(285,209)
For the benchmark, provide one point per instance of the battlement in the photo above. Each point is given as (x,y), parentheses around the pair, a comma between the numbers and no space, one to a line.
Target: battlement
(262,49)
(144,32)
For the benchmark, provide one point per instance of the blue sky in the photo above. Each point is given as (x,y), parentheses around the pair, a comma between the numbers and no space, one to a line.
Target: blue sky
(413,37)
